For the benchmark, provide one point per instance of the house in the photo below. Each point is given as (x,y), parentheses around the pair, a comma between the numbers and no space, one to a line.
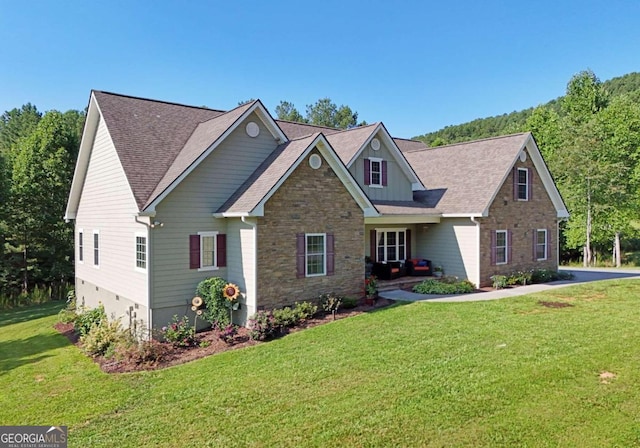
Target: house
(166,195)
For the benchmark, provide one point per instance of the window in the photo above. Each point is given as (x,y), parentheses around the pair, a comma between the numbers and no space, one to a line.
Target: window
(523,184)
(96,248)
(81,246)
(207,251)
(541,244)
(501,247)
(375,172)
(391,245)
(315,254)
(141,252)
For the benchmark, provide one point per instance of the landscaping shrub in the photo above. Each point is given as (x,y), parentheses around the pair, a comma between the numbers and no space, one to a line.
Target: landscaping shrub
(330,302)
(349,302)
(262,326)
(227,333)
(179,332)
(148,353)
(499,281)
(431,286)
(285,317)
(211,290)
(305,310)
(88,318)
(102,338)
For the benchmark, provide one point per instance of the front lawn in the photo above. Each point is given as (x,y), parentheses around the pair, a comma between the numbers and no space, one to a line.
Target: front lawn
(512,372)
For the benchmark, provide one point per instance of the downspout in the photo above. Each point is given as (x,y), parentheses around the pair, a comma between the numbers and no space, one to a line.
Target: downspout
(254,280)
(477,223)
(149,271)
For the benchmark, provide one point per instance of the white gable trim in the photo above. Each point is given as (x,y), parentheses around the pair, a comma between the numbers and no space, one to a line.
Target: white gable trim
(542,172)
(266,119)
(329,154)
(380,131)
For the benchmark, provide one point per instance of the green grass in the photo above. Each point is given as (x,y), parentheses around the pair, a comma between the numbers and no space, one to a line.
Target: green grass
(500,373)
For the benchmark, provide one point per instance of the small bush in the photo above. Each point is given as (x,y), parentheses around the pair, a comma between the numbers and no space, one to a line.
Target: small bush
(349,302)
(262,326)
(227,333)
(89,318)
(499,281)
(431,286)
(103,338)
(179,332)
(211,291)
(148,353)
(330,302)
(305,310)
(286,317)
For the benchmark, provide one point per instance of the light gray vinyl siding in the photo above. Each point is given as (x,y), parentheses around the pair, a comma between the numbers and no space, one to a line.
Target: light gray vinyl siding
(107,205)
(452,244)
(399,186)
(189,209)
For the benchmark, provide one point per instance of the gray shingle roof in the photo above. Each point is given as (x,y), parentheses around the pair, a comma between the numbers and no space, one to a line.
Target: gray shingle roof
(294,130)
(148,135)
(465,176)
(406,208)
(409,145)
(266,176)
(348,142)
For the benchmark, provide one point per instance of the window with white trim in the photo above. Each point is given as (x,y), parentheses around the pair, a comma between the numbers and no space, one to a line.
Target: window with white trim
(81,246)
(501,247)
(208,250)
(542,247)
(375,173)
(523,184)
(96,248)
(391,245)
(315,254)
(141,252)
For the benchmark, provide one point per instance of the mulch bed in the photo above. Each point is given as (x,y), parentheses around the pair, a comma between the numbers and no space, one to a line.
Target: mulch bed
(208,342)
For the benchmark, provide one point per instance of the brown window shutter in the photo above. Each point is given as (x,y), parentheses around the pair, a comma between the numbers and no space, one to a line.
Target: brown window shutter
(549,245)
(509,246)
(384,173)
(331,259)
(407,241)
(221,248)
(535,244)
(494,242)
(373,245)
(367,171)
(300,255)
(515,183)
(194,251)
(530,183)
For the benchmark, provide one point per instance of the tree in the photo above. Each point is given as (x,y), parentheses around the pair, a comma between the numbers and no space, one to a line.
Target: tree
(16,124)
(288,112)
(585,97)
(325,113)
(43,164)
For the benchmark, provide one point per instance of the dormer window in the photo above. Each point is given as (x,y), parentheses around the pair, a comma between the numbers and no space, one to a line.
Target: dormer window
(375,172)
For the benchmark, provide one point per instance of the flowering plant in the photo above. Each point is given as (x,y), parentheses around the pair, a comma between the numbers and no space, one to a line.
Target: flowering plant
(371,286)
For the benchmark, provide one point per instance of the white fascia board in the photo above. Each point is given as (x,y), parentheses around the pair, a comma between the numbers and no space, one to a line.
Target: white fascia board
(464,215)
(231,215)
(267,121)
(84,154)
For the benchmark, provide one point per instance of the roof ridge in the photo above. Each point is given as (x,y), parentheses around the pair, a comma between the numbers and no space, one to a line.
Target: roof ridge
(498,137)
(171,103)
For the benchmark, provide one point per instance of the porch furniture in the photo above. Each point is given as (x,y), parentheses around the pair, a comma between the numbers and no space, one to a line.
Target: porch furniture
(388,270)
(419,266)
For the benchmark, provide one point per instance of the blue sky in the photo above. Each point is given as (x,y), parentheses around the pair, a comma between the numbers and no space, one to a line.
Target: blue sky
(415,65)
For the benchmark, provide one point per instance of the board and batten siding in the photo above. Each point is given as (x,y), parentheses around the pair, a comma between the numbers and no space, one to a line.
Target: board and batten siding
(189,208)
(452,244)
(107,206)
(398,187)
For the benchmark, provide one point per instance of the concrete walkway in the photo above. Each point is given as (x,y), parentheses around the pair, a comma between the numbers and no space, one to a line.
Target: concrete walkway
(580,275)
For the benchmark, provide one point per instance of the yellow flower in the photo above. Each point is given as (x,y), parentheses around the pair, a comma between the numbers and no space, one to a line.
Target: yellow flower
(231,292)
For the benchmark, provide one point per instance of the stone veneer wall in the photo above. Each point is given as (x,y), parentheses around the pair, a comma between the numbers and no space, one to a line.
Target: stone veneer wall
(309,201)
(522,218)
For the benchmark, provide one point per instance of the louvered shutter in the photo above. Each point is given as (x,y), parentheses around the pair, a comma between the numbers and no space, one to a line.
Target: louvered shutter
(300,255)
(221,248)
(367,171)
(330,254)
(384,173)
(194,251)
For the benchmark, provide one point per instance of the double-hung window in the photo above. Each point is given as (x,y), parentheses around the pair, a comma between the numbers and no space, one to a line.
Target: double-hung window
(542,246)
(375,172)
(501,247)
(141,252)
(523,184)
(96,248)
(207,251)
(315,254)
(81,246)
(391,245)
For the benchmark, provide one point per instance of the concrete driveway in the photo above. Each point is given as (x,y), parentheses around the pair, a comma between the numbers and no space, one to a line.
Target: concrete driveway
(580,275)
